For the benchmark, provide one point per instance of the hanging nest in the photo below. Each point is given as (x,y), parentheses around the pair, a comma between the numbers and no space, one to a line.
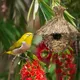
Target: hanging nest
(58,33)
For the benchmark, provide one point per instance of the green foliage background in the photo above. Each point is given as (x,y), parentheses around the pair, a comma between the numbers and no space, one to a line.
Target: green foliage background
(14,22)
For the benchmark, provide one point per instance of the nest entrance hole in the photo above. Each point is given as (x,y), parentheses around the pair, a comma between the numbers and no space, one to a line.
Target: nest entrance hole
(56,36)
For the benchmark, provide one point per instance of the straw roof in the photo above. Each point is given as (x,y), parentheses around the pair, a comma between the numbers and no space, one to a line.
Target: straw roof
(57,25)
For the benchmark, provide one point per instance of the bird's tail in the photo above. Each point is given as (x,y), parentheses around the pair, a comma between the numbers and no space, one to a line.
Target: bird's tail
(8,52)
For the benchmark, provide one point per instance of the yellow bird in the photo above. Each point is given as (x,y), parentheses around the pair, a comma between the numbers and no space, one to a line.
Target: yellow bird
(21,45)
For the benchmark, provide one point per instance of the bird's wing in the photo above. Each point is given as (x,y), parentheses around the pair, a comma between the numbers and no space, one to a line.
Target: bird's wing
(15,45)
(24,47)
(18,43)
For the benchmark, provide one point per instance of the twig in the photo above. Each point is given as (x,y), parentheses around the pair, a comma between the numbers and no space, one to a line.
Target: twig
(11,67)
(12,63)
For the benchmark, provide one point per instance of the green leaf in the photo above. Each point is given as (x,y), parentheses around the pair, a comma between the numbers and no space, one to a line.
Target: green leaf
(30,10)
(46,10)
(36,6)
(12,28)
(5,40)
(55,3)
(69,18)
(70,48)
(68,14)
(67,51)
(48,2)
(21,5)
(52,68)
(41,17)
(3,75)
(8,33)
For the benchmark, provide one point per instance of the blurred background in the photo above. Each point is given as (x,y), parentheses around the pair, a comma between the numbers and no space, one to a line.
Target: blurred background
(20,16)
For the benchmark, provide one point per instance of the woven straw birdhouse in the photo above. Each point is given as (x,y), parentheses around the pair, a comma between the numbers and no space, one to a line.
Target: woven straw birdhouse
(58,33)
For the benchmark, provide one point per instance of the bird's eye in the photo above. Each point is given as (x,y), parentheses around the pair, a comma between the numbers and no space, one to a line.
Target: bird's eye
(28,34)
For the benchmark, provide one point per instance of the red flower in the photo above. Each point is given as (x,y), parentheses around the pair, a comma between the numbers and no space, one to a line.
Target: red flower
(72,69)
(32,71)
(65,66)
(28,79)
(58,62)
(54,58)
(58,71)
(43,50)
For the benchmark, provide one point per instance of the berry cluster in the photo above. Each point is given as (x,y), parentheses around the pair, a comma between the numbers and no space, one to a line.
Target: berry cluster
(32,71)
